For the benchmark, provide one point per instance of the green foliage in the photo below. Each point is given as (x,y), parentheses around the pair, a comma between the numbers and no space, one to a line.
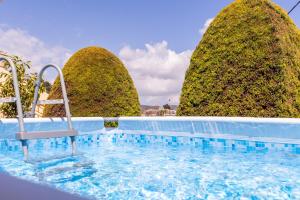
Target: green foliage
(247,64)
(48,86)
(162,112)
(26,82)
(97,84)
(111,124)
(167,106)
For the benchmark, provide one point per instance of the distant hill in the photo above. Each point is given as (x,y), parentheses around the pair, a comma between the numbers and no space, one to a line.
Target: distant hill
(174,107)
(147,107)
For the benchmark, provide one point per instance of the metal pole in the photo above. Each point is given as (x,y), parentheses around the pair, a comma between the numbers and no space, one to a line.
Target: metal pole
(18,103)
(35,98)
(17,94)
(294,7)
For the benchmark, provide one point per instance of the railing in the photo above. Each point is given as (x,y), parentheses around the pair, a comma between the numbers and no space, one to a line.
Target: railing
(16,99)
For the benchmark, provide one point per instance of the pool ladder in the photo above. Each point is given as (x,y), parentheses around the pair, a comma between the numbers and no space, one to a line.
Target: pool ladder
(23,135)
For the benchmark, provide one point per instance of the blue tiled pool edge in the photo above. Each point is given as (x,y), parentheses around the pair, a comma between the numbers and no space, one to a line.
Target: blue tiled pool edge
(145,139)
(206,142)
(173,131)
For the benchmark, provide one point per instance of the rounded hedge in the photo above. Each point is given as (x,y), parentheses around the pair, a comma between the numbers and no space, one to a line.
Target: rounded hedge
(247,64)
(97,84)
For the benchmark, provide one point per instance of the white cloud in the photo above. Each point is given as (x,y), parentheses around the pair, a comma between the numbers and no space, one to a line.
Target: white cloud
(157,71)
(206,25)
(18,42)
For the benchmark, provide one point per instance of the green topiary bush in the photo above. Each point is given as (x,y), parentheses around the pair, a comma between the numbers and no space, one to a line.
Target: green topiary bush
(97,84)
(247,64)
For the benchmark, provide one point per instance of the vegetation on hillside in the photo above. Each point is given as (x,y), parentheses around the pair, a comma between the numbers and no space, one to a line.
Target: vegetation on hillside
(98,84)
(247,64)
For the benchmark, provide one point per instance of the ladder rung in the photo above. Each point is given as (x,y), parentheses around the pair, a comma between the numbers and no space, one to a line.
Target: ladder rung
(51,101)
(8,99)
(46,134)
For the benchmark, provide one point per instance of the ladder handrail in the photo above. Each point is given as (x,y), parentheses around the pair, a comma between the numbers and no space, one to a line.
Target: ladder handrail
(17,92)
(63,88)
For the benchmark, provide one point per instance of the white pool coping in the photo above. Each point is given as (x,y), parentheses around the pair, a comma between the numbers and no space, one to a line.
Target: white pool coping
(220,119)
(49,119)
(200,118)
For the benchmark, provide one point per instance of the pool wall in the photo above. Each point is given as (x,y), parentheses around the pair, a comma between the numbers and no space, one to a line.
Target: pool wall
(258,129)
(233,132)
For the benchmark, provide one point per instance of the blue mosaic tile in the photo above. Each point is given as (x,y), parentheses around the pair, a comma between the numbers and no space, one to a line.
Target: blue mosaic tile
(14,145)
(260,144)
(209,142)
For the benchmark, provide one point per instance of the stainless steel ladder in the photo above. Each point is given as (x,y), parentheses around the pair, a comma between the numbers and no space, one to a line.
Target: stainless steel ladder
(23,135)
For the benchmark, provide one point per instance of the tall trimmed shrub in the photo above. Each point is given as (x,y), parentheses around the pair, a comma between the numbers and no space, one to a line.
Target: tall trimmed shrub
(98,84)
(247,64)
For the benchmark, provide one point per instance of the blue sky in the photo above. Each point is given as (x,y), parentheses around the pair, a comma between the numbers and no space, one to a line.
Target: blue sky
(50,31)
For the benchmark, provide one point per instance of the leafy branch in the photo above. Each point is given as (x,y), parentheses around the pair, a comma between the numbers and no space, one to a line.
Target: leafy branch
(26,81)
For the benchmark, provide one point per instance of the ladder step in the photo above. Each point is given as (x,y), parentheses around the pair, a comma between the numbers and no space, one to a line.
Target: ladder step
(46,134)
(50,101)
(8,99)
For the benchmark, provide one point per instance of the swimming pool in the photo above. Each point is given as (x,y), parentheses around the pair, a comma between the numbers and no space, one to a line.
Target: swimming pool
(163,158)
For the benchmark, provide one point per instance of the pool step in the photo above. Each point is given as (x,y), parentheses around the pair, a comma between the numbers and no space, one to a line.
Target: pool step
(53,158)
(50,102)
(44,163)
(68,169)
(62,169)
(8,100)
(45,134)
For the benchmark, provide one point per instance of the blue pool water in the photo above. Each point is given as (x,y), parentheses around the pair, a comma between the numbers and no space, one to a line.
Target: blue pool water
(107,167)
